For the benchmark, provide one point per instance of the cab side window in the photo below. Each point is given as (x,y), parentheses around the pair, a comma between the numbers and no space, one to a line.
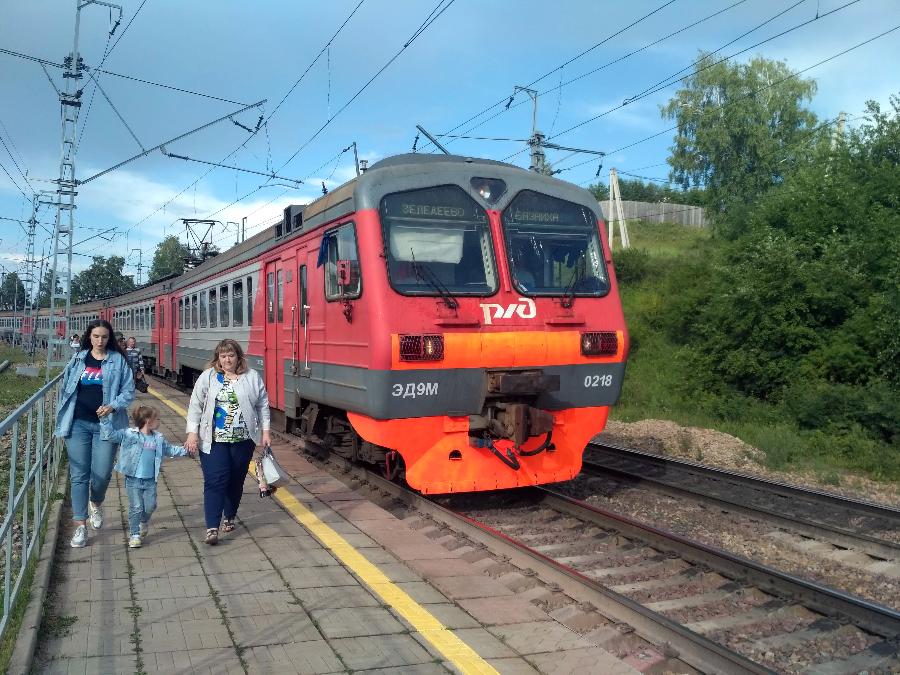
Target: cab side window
(340,256)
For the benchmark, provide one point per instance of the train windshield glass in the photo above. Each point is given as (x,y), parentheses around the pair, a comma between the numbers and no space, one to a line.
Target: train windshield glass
(553,247)
(437,240)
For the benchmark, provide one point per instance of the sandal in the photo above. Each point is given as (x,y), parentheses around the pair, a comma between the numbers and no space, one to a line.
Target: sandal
(212,537)
(228,525)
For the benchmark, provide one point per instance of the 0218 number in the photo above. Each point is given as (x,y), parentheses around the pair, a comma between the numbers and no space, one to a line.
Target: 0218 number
(598,381)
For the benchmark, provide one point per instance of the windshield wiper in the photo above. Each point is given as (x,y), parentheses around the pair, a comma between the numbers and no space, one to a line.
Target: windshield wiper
(424,274)
(568,298)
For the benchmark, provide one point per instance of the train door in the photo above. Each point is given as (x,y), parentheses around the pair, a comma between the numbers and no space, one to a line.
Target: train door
(164,333)
(301,314)
(274,355)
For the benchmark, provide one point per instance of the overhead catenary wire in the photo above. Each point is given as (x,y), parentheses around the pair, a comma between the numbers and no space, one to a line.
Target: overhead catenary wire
(672,79)
(755,91)
(89,70)
(247,140)
(610,63)
(435,14)
(571,60)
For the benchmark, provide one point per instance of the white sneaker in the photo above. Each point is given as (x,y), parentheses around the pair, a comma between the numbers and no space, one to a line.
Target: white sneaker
(96,515)
(134,541)
(143,530)
(79,539)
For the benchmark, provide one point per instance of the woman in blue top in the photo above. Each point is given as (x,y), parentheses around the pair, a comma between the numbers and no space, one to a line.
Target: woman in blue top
(97,382)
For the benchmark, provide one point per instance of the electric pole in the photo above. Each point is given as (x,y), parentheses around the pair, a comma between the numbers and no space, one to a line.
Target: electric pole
(140,265)
(66,184)
(616,212)
(536,141)
(31,268)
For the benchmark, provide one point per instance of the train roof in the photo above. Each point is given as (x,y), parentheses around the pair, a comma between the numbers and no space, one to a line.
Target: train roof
(399,173)
(415,171)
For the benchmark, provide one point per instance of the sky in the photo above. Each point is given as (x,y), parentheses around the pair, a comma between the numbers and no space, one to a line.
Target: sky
(456,77)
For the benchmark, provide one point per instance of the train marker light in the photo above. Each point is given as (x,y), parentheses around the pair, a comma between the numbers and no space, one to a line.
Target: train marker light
(421,347)
(600,344)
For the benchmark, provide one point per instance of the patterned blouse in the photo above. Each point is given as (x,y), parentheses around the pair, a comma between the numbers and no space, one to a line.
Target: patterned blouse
(229,422)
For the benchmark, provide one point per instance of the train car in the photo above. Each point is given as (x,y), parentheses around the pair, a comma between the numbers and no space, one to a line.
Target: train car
(455,321)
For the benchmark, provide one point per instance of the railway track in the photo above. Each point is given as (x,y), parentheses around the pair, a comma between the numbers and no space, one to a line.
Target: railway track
(698,605)
(847,523)
(695,607)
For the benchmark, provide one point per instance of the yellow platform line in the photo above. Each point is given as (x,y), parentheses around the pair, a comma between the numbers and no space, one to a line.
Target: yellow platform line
(466,659)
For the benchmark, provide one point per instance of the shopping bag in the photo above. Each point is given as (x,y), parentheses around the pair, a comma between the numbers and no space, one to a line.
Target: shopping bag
(272,472)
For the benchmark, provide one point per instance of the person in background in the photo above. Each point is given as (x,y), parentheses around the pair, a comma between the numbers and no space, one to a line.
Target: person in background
(75,344)
(122,345)
(136,362)
(227,417)
(141,453)
(96,383)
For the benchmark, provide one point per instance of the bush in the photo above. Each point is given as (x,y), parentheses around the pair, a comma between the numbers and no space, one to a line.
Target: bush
(872,410)
(631,264)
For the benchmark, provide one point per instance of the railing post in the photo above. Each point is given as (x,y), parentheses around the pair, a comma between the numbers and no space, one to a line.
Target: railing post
(11,498)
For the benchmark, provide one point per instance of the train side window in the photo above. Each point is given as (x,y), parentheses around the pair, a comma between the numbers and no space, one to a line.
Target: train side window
(213,313)
(195,306)
(162,316)
(249,301)
(340,244)
(153,317)
(270,297)
(237,303)
(202,309)
(303,299)
(223,306)
(279,291)
(181,312)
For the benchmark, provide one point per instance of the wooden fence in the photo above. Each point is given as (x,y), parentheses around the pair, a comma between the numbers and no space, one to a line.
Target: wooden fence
(661,212)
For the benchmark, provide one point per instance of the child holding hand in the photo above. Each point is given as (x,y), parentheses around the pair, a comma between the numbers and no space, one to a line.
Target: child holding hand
(140,456)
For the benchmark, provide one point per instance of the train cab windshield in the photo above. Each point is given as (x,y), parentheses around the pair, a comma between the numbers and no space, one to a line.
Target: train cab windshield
(437,242)
(553,247)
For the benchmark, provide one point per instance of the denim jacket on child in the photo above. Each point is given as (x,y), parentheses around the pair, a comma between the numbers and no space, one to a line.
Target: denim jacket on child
(132,445)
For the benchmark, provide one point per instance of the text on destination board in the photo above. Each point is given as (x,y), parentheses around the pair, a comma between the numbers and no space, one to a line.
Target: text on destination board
(536,216)
(433,210)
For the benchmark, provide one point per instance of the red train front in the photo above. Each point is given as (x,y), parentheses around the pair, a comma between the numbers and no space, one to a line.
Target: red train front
(456,320)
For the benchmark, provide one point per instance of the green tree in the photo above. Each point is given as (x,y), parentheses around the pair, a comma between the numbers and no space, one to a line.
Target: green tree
(12,292)
(168,259)
(737,124)
(803,306)
(102,279)
(635,189)
(43,298)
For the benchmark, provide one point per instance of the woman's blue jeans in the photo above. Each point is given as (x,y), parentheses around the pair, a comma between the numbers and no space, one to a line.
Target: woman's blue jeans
(90,465)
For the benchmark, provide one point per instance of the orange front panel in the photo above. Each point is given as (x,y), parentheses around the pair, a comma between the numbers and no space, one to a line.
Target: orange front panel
(512,349)
(426,444)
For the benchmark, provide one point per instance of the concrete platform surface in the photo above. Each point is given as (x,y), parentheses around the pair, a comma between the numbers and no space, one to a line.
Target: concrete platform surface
(318,581)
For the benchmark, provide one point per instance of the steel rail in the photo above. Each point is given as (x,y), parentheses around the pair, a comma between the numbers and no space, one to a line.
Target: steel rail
(841,536)
(688,646)
(870,616)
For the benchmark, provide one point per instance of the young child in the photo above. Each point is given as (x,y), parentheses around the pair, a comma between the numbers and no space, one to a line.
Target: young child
(140,456)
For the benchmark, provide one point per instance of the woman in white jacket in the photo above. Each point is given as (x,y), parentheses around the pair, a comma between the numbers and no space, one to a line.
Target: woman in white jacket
(228,416)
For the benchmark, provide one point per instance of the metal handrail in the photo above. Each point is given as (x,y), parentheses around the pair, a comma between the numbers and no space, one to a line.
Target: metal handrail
(29,492)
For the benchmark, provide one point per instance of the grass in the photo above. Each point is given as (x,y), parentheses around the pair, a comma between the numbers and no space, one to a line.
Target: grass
(661,381)
(15,389)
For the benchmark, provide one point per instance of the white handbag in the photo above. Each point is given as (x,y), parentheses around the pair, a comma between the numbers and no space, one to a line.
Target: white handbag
(272,471)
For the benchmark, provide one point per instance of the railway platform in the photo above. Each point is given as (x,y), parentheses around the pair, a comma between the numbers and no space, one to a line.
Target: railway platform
(315,580)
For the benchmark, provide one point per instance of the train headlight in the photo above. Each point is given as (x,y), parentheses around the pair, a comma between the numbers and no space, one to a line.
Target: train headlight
(421,347)
(600,344)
